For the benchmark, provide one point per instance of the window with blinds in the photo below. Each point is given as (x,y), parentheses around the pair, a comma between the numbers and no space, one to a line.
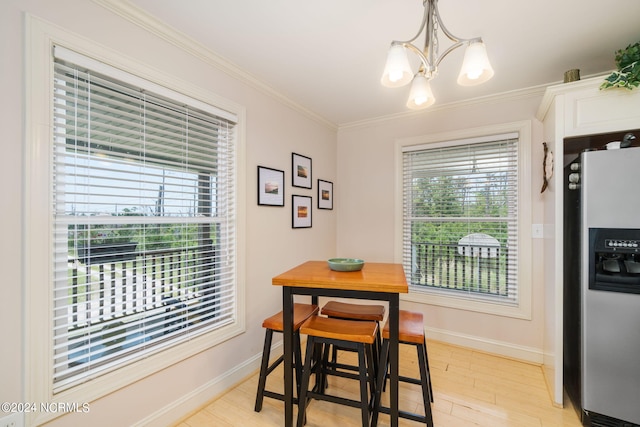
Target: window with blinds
(460,221)
(144,221)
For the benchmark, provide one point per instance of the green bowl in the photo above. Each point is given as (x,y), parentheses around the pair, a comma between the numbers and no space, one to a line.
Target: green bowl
(345,264)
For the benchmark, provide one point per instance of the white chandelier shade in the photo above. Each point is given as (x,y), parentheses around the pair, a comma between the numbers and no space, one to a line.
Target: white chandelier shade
(397,71)
(420,95)
(476,68)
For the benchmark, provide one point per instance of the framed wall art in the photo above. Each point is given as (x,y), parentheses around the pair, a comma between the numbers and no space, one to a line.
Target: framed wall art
(270,187)
(325,194)
(301,211)
(300,170)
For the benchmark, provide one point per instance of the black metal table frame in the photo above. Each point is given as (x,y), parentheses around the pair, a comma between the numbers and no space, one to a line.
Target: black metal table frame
(287,305)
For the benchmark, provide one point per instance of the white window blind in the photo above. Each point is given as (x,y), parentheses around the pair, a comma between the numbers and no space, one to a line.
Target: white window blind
(460,222)
(144,224)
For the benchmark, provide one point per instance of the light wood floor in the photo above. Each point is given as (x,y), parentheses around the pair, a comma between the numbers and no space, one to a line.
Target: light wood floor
(471,388)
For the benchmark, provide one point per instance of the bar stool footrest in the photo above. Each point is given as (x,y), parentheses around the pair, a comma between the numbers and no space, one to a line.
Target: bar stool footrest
(277,396)
(333,366)
(341,374)
(404,414)
(338,400)
(410,380)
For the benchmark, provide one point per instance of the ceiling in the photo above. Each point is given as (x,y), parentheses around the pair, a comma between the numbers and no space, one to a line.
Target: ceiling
(328,55)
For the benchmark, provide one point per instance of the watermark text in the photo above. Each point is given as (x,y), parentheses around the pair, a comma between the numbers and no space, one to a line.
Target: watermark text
(45,407)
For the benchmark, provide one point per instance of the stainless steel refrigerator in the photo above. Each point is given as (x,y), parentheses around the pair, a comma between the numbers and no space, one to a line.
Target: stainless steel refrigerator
(609,186)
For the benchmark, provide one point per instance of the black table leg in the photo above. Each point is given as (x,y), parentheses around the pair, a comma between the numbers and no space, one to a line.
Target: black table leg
(394,316)
(287,307)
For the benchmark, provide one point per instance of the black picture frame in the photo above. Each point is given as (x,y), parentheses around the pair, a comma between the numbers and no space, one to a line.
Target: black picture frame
(325,194)
(301,211)
(300,171)
(270,187)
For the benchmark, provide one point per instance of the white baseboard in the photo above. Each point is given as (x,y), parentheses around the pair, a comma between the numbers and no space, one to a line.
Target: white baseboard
(191,402)
(501,348)
(198,398)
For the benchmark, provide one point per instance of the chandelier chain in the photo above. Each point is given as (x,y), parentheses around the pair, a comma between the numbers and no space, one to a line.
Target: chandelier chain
(434,37)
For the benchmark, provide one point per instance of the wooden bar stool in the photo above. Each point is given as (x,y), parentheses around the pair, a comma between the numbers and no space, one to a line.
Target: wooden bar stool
(351,311)
(411,332)
(275,323)
(356,335)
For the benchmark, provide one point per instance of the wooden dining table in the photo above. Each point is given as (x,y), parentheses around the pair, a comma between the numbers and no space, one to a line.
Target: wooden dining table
(376,281)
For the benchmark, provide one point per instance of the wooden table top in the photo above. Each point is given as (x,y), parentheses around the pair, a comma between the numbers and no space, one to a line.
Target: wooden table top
(374,277)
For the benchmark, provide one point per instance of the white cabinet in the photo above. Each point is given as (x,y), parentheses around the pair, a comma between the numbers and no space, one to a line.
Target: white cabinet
(588,110)
(569,110)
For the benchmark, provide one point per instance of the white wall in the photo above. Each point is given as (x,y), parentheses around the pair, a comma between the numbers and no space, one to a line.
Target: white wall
(361,224)
(366,224)
(274,130)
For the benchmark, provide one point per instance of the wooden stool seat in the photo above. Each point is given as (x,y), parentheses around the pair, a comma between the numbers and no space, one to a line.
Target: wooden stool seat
(411,328)
(275,323)
(354,311)
(301,312)
(355,335)
(344,310)
(339,329)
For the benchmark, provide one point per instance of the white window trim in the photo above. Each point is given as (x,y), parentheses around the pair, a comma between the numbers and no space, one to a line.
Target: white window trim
(435,297)
(41,36)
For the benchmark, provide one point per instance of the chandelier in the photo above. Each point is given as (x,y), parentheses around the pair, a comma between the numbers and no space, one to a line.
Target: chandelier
(475,70)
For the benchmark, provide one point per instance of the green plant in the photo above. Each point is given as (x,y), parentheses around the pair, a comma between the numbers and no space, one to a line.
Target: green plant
(628,74)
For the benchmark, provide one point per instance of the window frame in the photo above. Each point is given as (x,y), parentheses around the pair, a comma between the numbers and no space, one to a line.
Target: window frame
(521,309)
(38,246)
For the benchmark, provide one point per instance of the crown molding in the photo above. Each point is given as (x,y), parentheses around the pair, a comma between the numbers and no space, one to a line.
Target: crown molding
(535,91)
(143,19)
(126,10)
(591,82)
